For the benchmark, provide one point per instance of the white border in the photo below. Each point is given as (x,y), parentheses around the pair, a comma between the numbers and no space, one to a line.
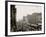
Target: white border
(29,32)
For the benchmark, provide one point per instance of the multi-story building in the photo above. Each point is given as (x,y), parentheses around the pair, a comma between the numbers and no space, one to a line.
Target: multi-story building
(35,18)
(38,17)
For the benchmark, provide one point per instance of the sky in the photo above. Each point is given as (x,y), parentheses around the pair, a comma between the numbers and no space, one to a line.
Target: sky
(24,10)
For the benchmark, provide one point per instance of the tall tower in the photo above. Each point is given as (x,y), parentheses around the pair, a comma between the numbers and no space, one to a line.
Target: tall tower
(13,19)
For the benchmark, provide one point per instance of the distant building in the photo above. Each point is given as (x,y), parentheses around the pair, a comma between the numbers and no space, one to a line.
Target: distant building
(35,18)
(38,17)
(25,19)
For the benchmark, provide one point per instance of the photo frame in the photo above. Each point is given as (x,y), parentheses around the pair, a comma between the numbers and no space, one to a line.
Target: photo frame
(26,6)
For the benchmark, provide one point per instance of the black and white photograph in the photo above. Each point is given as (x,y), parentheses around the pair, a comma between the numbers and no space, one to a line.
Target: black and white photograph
(25,18)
